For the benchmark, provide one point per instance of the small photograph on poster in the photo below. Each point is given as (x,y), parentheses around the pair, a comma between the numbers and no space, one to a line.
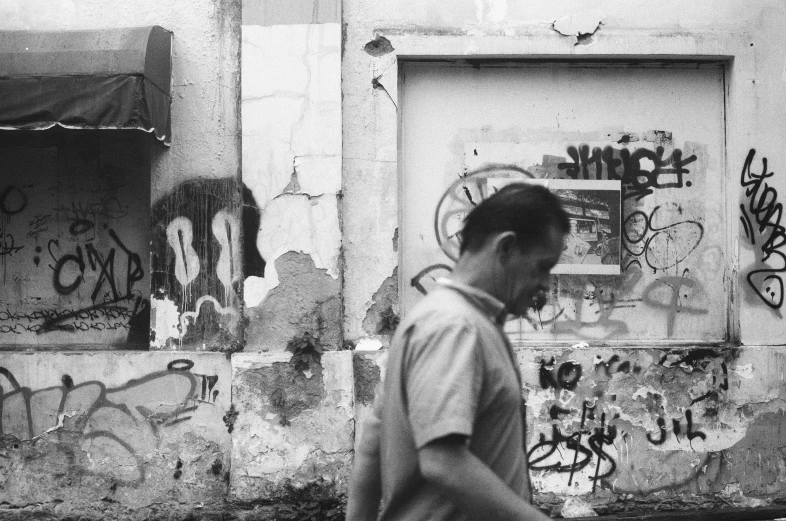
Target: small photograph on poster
(593,245)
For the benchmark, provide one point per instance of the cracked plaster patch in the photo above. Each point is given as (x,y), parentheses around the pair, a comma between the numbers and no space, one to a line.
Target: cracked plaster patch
(291,109)
(164,321)
(385,77)
(268,453)
(379,46)
(292,143)
(299,223)
(579,23)
(295,223)
(306,301)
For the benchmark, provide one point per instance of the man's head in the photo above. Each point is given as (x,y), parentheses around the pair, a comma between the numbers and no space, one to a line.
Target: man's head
(520,231)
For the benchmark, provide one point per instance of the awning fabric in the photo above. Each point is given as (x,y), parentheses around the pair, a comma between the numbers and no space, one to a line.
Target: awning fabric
(111,78)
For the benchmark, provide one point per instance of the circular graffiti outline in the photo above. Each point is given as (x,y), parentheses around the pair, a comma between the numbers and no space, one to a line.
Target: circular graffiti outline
(181,364)
(5,194)
(458,200)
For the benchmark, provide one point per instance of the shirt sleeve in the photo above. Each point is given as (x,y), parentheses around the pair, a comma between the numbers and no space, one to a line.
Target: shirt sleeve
(368,441)
(443,382)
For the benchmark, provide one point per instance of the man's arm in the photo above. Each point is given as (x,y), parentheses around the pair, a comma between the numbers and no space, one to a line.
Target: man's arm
(365,486)
(460,476)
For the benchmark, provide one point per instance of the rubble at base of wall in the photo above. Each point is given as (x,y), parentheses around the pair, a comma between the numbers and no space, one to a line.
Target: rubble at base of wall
(311,503)
(317,502)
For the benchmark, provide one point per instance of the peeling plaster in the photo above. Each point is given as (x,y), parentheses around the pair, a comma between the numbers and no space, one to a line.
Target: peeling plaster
(316,443)
(368,344)
(112,424)
(255,289)
(379,46)
(306,301)
(580,24)
(298,223)
(367,376)
(164,322)
(687,475)
(291,109)
(292,144)
(382,317)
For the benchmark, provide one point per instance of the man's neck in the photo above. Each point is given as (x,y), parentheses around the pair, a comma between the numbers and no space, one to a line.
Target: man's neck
(479,272)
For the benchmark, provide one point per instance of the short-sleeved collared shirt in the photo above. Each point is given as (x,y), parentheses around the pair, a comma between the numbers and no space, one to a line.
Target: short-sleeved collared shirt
(451,370)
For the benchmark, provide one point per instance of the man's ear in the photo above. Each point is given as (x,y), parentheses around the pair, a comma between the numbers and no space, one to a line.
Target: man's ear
(504,244)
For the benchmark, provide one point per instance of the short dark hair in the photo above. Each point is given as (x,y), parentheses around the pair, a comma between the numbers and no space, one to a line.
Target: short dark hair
(529,210)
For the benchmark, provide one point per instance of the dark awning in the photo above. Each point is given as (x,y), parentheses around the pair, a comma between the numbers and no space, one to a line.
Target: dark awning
(112,78)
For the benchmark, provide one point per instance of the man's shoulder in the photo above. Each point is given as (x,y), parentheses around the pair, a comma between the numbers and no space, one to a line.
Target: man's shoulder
(437,314)
(441,303)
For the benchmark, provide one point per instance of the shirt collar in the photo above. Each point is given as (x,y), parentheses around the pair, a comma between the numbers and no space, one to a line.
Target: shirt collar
(487,303)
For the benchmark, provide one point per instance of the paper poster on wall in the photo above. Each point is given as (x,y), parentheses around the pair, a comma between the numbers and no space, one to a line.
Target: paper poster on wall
(592,247)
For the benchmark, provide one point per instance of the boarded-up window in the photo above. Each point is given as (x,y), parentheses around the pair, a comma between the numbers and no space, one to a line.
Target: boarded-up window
(658,130)
(74,239)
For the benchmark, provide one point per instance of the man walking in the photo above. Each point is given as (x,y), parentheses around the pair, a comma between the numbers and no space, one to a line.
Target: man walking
(446,437)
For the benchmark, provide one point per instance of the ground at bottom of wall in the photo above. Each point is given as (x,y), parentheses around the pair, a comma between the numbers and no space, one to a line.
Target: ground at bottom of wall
(314,510)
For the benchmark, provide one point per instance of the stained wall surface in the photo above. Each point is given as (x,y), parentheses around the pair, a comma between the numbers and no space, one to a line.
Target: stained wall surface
(657,131)
(75,225)
(205,145)
(295,422)
(310,251)
(129,429)
(292,168)
(115,431)
(648,387)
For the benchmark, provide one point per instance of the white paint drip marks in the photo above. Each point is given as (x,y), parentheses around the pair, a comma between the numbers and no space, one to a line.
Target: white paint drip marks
(226,230)
(180,236)
(194,314)
(578,23)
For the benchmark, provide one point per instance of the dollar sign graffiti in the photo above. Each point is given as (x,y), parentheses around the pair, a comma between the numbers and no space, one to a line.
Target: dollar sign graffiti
(596,442)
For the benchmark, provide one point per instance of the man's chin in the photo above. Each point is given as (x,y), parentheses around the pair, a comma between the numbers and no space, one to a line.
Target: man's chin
(538,301)
(535,303)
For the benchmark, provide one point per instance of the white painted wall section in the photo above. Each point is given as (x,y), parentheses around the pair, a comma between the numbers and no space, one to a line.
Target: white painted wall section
(292,143)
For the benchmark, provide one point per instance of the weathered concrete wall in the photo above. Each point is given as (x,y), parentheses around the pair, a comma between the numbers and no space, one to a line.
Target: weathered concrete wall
(620,423)
(278,12)
(292,166)
(276,235)
(74,253)
(673,243)
(127,434)
(196,303)
(295,418)
(126,430)
(377,35)
(615,424)
(684,428)
(295,423)
(205,72)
